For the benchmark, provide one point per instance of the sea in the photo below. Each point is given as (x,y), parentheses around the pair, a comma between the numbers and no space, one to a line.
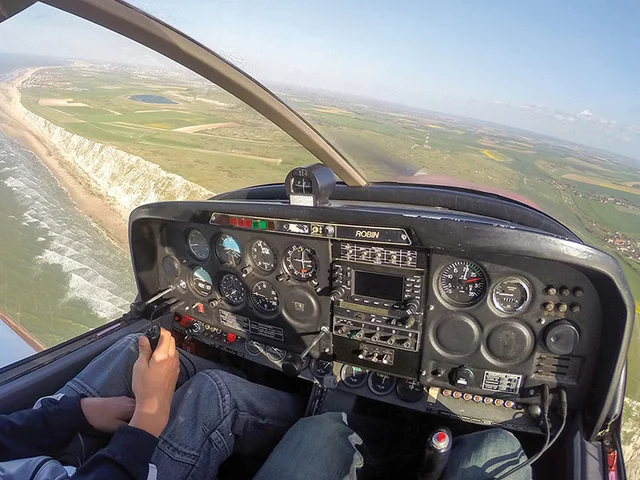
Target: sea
(60,274)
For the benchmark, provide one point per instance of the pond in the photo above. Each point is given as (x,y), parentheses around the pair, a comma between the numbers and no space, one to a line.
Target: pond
(146,98)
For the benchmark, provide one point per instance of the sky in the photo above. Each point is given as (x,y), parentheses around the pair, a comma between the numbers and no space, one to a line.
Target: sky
(569,69)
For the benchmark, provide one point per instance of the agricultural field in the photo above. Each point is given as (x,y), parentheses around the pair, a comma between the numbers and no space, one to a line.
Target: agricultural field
(192,128)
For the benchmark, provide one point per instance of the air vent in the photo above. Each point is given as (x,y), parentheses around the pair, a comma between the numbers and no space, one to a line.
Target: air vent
(560,367)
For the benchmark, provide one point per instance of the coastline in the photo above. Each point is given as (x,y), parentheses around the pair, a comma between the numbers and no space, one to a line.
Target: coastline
(92,205)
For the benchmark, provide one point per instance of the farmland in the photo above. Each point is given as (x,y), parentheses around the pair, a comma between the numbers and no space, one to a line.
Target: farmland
(198,131)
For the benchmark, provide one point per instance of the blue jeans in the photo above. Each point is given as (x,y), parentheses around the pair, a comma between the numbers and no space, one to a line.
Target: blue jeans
(325,447)
(214,413)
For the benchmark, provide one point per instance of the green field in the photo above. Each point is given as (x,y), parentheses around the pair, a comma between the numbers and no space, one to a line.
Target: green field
(233,147)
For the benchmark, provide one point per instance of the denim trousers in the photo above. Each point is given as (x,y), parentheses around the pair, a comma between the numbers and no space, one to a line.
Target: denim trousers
(215,413)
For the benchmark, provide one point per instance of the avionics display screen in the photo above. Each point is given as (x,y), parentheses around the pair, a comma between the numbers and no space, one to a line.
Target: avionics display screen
(387,287)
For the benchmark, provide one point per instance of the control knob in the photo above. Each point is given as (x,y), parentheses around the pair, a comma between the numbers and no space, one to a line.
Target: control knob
(337,293)
(561,337)
(411,307)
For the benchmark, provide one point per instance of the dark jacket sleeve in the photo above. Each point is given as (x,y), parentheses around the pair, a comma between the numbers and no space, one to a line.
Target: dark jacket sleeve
(125,458)
(49,429)
(42,431)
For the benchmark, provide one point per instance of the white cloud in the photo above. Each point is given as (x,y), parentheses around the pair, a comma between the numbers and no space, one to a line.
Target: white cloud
(586,114)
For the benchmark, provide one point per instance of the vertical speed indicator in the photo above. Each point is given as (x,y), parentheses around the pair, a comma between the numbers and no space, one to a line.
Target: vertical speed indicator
(462,283)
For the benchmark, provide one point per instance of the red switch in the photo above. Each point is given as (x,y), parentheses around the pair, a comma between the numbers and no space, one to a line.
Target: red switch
(199,307)
(441,437)
(186,321)
(231,337)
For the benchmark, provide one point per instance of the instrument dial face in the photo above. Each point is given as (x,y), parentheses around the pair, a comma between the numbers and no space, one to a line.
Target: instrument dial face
(198,245)
(265,297)
(263,256)
(275,354)
(201,282)
(300,262)
(228,250)
(320,368)
(352,376)
(232,289)
(254,348)
(462,283)
(381,383)
(511,295)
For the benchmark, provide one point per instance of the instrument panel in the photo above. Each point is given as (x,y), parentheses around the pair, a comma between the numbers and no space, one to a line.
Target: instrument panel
(480,326)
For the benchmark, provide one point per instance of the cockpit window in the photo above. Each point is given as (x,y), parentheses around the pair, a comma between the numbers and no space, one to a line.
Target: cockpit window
(537,103)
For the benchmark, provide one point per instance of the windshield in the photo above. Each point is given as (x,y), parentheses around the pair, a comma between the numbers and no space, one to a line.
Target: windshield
(537,101)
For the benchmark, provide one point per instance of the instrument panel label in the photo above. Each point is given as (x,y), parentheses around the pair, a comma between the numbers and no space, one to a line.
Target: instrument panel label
(238,322)
(231,320)
(501,382)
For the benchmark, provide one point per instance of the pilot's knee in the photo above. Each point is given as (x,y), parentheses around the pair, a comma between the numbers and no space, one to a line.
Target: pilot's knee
(322,425)
(495,440)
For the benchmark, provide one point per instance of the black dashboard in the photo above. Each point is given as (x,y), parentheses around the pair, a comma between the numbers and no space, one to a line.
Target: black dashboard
(456,314)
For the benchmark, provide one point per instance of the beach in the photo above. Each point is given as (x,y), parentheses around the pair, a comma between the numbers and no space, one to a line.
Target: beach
(88,202)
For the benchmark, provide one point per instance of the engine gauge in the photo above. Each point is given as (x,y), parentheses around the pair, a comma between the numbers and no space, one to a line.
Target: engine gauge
(254,348)
(232,289)
(300,262)
(228,250)
(462,283)
(410,390)
(201,281)
(198,245)
(352,376)
(275,354)
(265,297)
(511,295)
(262,256)
(320,368)
(381,383)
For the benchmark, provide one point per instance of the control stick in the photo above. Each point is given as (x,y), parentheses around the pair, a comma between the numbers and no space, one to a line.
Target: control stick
(292,368)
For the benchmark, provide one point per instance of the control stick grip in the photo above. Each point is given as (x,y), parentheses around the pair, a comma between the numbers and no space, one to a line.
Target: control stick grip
(153,334)
(436,455)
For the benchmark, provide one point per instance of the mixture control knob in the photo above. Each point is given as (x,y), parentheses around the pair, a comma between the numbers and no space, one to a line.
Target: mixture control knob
(337,293)
(561,337)
(461,377)
(411,307)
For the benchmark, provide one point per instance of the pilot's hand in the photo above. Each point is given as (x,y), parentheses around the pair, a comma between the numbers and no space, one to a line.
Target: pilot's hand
(107,414)
(153,384)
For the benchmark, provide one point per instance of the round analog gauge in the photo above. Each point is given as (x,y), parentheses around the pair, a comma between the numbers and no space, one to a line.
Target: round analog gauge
(511,295)
(275,354)
(228,250)
(352,376)
(254,348)
(462,283)
(198,245)
(381,383)
(320,368)
(262,256)
(232,289)
(171,266)
(201,281)
(300,262)
(265,297)
(410,390)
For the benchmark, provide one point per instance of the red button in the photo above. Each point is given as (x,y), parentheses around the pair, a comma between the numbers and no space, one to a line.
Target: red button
(441,437)
(231,337)
(234,221)
(186,321)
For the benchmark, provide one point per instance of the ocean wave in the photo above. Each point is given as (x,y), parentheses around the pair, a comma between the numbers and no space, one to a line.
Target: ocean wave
(94,271)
